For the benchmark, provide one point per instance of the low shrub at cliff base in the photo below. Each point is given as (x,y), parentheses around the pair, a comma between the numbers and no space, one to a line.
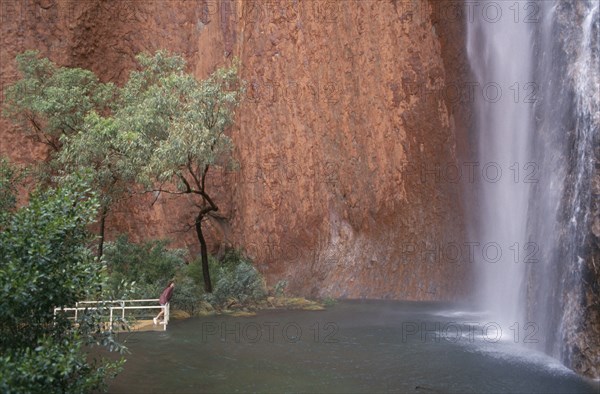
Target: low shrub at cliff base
(148,263)
(140,271)
(237,284)
(187,295)
(235,281)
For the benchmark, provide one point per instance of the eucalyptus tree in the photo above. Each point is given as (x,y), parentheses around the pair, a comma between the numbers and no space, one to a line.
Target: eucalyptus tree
(52,102)
(174,130)
(97,150)
(163,128)
(59,107)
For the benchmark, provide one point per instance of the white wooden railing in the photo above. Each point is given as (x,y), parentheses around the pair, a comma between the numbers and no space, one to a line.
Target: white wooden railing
(118,305)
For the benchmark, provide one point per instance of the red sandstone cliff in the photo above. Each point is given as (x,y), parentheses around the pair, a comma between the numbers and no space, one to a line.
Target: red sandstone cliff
(338,141)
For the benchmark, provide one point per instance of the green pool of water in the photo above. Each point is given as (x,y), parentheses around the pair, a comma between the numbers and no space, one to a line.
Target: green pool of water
(353,347)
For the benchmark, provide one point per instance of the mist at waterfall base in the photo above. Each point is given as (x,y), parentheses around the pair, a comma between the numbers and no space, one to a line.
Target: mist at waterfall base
(538,124)
(352,347)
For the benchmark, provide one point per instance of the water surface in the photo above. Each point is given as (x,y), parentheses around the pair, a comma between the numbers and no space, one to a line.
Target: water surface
(353,347)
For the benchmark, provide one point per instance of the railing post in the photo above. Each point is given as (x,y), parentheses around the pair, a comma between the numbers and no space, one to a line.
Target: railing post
(76,310)
(167,312)
(111,317)
(123,306)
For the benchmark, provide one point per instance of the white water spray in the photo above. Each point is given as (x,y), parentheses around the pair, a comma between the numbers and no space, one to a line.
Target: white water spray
(500,52)
(538,142)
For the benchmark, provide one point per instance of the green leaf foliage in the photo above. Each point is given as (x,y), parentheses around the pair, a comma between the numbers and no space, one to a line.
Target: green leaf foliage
(96,149)
(45,264)
(58,106)
(236,278)
(10,177)
(51,102)
(173,123)
(150,265)
(163,129)
(54,366)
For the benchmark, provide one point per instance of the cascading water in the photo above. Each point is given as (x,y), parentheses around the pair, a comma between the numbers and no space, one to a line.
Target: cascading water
(537,123)
(501,56)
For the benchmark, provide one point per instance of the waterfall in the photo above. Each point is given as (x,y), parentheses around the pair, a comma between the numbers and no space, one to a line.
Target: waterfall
(500,52)
(537,148)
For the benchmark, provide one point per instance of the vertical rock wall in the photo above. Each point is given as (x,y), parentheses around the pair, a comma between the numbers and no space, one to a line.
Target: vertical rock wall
(342,141)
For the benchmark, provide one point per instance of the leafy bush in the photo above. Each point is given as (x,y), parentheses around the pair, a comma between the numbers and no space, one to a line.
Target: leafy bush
(45,263)
(329,301)
(10,177)
(236,278)
(280,287)
(143,270)
(53,366)
(150,265)
(187,294)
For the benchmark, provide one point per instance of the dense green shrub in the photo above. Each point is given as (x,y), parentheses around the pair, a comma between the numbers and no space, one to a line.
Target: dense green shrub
(151,265)
(139,271)
(46,263)
(53,366)
(187,294)
(279,289)
(10,177)
(236,279)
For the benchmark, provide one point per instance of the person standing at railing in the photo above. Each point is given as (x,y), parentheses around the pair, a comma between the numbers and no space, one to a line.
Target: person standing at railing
(164,299)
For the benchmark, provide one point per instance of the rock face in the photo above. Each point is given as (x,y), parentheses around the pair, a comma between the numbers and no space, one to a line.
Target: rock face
(344,141)
(563,293)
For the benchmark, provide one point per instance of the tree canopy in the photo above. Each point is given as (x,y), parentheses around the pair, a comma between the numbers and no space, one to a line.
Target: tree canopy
(175,130)
(52,102)
(163,129)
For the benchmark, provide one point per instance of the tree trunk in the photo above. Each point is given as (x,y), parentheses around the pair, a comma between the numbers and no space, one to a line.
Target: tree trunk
(103,216)
(204,254)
